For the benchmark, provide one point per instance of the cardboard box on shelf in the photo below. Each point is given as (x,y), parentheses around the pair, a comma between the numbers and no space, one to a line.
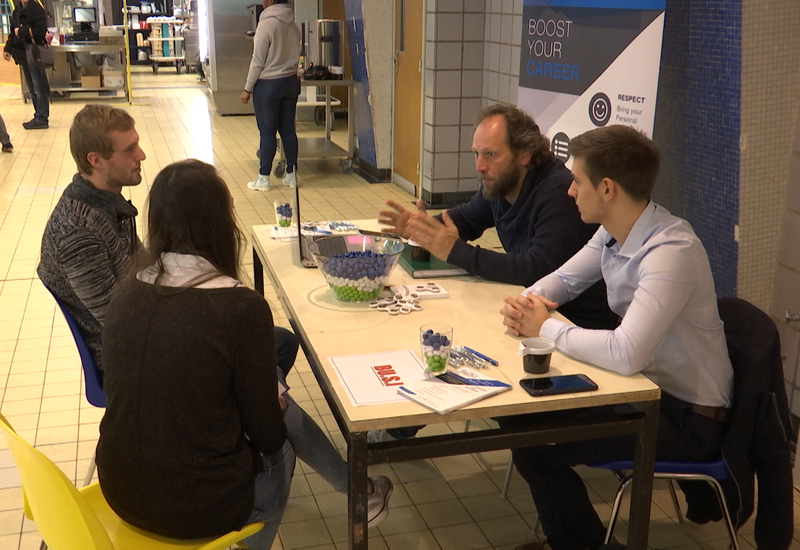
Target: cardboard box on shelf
(113,78)
(90,77)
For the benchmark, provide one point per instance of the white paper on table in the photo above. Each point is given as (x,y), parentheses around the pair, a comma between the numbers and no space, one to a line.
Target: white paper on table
(283,233)
(373,378)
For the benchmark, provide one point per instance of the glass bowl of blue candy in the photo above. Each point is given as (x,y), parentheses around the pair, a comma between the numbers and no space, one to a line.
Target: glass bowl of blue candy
(356,267)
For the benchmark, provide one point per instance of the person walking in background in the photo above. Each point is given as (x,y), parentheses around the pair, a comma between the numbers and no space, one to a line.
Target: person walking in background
(273,84)
(5,139)
(29,28)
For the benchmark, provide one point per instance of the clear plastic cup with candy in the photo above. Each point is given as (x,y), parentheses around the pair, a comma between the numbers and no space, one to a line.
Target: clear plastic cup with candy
(283,213)
(435,339)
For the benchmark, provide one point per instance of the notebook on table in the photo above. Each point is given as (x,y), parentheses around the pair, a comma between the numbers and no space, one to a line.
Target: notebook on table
(431,269)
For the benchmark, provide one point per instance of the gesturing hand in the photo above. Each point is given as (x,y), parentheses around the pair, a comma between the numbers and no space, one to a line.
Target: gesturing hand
(437,237)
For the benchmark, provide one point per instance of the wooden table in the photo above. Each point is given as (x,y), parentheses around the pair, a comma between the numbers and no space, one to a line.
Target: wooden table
(329,327)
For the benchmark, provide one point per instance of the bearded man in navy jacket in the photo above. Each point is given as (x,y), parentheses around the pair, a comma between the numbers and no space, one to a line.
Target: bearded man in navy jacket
(523,194)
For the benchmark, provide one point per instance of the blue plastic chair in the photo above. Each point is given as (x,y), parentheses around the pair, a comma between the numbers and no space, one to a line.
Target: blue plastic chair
(91,377)
(711,472)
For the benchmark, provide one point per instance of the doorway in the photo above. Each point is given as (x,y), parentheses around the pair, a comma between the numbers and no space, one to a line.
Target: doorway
(407,91)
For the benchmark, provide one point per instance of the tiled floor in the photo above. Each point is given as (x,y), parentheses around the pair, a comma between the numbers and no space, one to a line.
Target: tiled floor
(450,503)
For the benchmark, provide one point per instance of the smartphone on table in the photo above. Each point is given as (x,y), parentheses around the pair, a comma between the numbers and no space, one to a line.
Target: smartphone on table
(553,385)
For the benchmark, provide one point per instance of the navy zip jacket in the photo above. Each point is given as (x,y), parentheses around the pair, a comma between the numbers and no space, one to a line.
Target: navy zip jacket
(539,232)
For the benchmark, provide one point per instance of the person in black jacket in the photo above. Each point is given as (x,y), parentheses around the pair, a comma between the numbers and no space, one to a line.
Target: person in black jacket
(523,194)
(29,28)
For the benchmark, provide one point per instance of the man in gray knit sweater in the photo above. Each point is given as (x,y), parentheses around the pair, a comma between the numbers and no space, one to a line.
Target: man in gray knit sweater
(91,235)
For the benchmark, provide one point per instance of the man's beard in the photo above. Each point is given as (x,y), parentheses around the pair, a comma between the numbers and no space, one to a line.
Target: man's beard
(505,183)
(124,180)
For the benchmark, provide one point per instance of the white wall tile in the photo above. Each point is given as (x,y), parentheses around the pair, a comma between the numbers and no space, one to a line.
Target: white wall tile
(466,132)
(513,91)
(790,240)
(497,31)
(469,112)
(448,112)
(474,6)
(427,164)
(472,56)
(468,184)
(518,7)
(466,165)
(504,65)
(516,32)
(493,85)
(430,26)
(471,83)
(448,84)
(503,88)
(450,6)
(430,55)
(430,6)
(427,138)
(514,66)
(448,55)
(445,166)
(430,83)
(508,6)
(494,57)
(473,26)
(449,26)
(508,29)
(445,185)
(787,289)
(428,111)
(447,138)
(427,184)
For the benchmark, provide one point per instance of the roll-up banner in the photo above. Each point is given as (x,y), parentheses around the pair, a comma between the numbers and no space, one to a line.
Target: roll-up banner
(589,63)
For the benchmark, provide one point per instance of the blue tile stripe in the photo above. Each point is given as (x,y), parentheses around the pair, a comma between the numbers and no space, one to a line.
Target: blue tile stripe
(698,126)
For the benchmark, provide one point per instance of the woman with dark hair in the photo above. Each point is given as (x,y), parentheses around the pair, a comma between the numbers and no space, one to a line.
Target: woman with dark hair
(192,381)
(193,442)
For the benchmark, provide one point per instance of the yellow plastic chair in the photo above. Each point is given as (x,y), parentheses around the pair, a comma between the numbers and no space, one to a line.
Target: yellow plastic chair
(80,519)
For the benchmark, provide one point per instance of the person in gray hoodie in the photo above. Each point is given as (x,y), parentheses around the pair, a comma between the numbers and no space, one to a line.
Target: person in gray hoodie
(273,84)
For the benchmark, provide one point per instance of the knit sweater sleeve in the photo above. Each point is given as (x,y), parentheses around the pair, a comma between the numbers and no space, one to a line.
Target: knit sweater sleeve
(89,269)
(262,42)
(255,379)
(546,232)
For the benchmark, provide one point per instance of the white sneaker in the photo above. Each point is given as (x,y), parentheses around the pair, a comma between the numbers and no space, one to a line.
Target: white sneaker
(290,179)
(261,183)
(378,501)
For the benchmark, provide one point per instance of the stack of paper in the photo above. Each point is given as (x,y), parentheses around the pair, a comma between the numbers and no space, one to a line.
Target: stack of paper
(452,390)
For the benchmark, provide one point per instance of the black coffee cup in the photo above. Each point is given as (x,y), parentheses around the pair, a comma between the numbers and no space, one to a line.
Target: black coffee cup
(536,354)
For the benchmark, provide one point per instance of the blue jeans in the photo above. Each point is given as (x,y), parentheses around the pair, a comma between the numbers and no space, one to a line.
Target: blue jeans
(39,88)
(272,493)
(275,103)
(310,443)
(4,137)
(312,446)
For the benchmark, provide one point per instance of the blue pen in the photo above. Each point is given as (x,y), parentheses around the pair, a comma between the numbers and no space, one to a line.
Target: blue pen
(482,356)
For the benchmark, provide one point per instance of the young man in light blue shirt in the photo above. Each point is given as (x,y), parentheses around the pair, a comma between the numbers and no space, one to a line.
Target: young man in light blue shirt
(660,284)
